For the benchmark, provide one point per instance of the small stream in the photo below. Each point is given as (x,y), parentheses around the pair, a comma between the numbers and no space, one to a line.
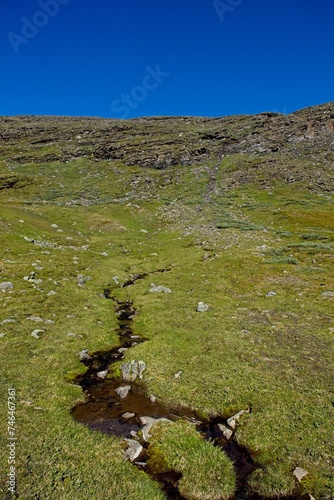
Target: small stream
(104,410)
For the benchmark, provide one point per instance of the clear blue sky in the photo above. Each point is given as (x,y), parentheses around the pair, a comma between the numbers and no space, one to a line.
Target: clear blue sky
(130,58)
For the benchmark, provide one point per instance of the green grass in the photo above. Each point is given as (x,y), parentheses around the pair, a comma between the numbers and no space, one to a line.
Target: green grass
(271,352)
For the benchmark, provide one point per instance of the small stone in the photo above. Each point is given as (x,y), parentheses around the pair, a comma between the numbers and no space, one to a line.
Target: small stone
(83,355)
(327,294)
(300,473)
(232,421)
(159,288)
(116,280)
(38,319)
(128,415)
(2,335)
(51,293)
(227,433)
(6,321)
(271,294)
(123,391)
(143,231)
(202,307)
(105,254)
(148,423)
(49,322)
(36,333)
(133,434)
(134,450)
(122,349)
(6,285)
(178,374)
(102,374)
(152,398)
(54,225)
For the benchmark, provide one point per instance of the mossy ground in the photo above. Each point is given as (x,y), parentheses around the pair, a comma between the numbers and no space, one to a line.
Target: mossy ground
(273,352)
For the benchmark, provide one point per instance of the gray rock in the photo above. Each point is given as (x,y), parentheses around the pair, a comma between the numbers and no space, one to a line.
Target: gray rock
(116,280)
(327,294)
(130,371)
(51,293)
(49,322)
(232,421)
(123,391)
(202,307)
(227,433)
(81,280)
(178,374)
(300,473)
(152,398)
(134,450)
(36,333)
(6,321)
(83,355)
(2,335)
(148,423)
(6,285)
(271,294)
(128,415)
(159,288)
(102,374)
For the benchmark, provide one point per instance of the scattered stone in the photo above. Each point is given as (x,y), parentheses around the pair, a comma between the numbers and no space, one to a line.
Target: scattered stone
(271,294)
(6,285)
(143,231)
(49,322)
(159,288)
(6,321)
(232,421)
(105,254)
(148,423)
(102,374)
(122,349)
(134,450)
(81,280)
(130,371)
(152,398)
(128,415)
(133,434)
(178,374)
(36,333)
(38,319)
(51,293)
(202,307)
(116,280)
(54,225)
(227,433)
(123,391)
(300,473)
(327,294)
(135,337)
(83,355)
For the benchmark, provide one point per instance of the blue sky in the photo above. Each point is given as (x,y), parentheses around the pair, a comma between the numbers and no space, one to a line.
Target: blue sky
(131,58)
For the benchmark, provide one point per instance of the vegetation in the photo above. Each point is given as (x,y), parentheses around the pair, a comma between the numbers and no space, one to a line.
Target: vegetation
(229,231)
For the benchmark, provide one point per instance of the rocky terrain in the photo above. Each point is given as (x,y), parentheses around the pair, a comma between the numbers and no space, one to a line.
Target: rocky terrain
(208,368)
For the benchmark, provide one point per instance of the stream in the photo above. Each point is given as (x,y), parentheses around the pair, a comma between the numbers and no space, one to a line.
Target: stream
(103,410)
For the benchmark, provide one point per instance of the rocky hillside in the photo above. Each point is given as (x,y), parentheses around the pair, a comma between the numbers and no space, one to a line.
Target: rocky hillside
(294,148)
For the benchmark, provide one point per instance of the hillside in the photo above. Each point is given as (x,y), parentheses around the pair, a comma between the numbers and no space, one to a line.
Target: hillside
(112,234)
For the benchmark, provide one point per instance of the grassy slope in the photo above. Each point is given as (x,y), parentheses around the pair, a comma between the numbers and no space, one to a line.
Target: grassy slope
(274,353)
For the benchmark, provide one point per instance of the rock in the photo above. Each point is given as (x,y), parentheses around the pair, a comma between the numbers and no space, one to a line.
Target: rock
(6,321)
(36,333)
(122,349)
(300,473)
(54,225)
(81,280)
(49,322)
(123,391)
(116,280)
(105,254)
(232,421)
(2,335)
(327,294)
(38,319)
(102,374)
(271,294)
(227,433)
(130,371)
(178,374)
(159,288)
(143,231)
(202,307)
(128,415)
(6,285)
(134,450)
(148,423)
(83,355)
(152,398)
(51,293)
